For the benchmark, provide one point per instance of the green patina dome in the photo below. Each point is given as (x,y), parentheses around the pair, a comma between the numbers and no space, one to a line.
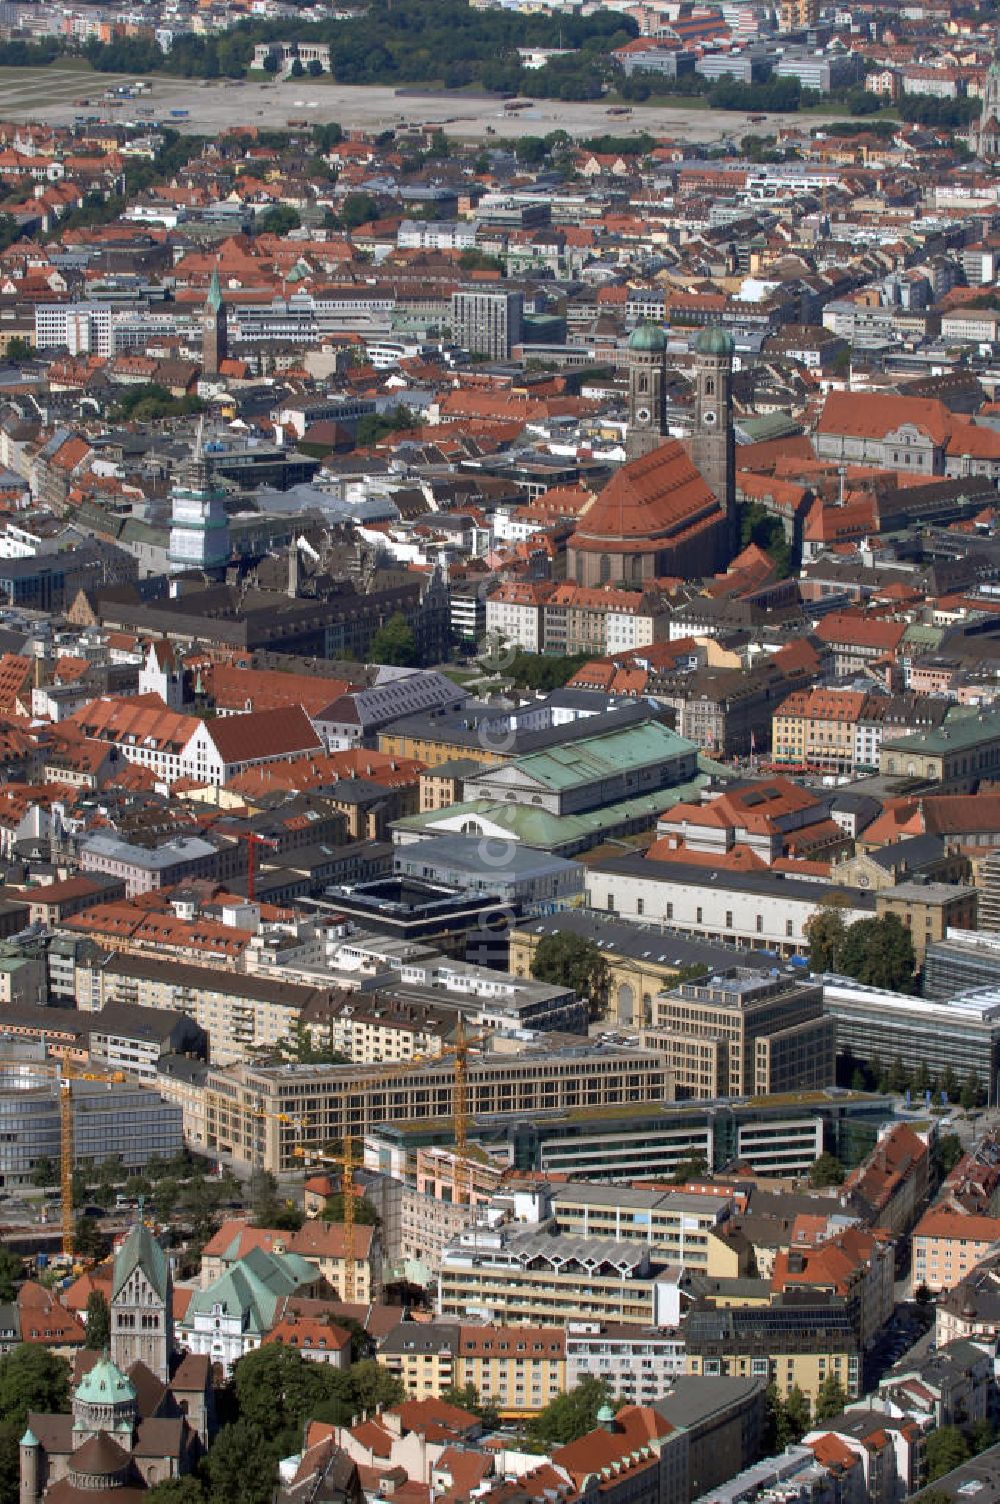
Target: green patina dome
(714,341)
(647,336)
(105,1384)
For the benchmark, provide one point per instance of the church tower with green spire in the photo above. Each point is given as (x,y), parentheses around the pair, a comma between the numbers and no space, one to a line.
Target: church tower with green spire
(214,328)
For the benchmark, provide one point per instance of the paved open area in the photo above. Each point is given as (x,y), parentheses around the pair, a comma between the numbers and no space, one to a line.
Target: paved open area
(51,94)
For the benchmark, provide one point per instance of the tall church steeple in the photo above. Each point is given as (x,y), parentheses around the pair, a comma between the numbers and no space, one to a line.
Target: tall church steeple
(713,443)
(214,328)
(142,1324)
(647,399)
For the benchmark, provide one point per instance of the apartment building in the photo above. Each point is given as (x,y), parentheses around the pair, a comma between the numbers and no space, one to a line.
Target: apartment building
(252,1112)
(817,728)
(741,1032)
(519,1369)
(422,1356)
(855,1265)
(947,1246)
(929,910)
(639,1364)
(791,1346)
(239,1012)
(487,321)
(516,1275)
(890,1184)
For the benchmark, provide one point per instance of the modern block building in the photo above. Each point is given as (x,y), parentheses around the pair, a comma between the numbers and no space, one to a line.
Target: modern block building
(961,1032)
(742,1032)
(263,1114)
(781,1135)
(487,321)
(110,1121)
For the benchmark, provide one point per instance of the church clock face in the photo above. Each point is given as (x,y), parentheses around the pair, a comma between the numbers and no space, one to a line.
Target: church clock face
(709,418)
(642,415)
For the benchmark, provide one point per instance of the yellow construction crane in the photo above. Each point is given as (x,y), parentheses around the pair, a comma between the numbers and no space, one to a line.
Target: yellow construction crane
(349,1162)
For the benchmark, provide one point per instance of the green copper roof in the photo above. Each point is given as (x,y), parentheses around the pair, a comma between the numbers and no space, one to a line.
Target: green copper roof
(140,1250)
(252,1289)
(29,1439)
(714,341)
(539,828)
(647,336)
(105,1384)
(215,291)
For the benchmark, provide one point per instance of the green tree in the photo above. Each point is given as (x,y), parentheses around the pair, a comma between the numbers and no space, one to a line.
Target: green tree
(944,1449)
(98,1320)
(242,1466)
(879,953)
(570,1415)
(374,427)
(982,1436)
(570,960)
(315,68)
(19,350)
(166,1194)
(11,1273)
(394,643)
(277,1390)
(32,1378)
(467,1398)
(374,1385)
(280,219)
(480,261)
(268,1208)
(271,63)
(826,1170)
(690,1169)
(186,1490)
(89,1242)
(826,932)
(44,1171)
(831,1397)
(365,1214)
(947,1152)
(797,1413)
(357,209)
(297,69)
(898,1079)
(302,1047)
(972,1092)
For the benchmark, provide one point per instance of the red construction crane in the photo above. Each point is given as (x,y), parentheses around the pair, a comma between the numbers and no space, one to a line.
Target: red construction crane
(253,840)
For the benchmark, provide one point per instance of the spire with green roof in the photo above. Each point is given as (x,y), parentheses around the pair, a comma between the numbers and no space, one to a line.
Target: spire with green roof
(214,300)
